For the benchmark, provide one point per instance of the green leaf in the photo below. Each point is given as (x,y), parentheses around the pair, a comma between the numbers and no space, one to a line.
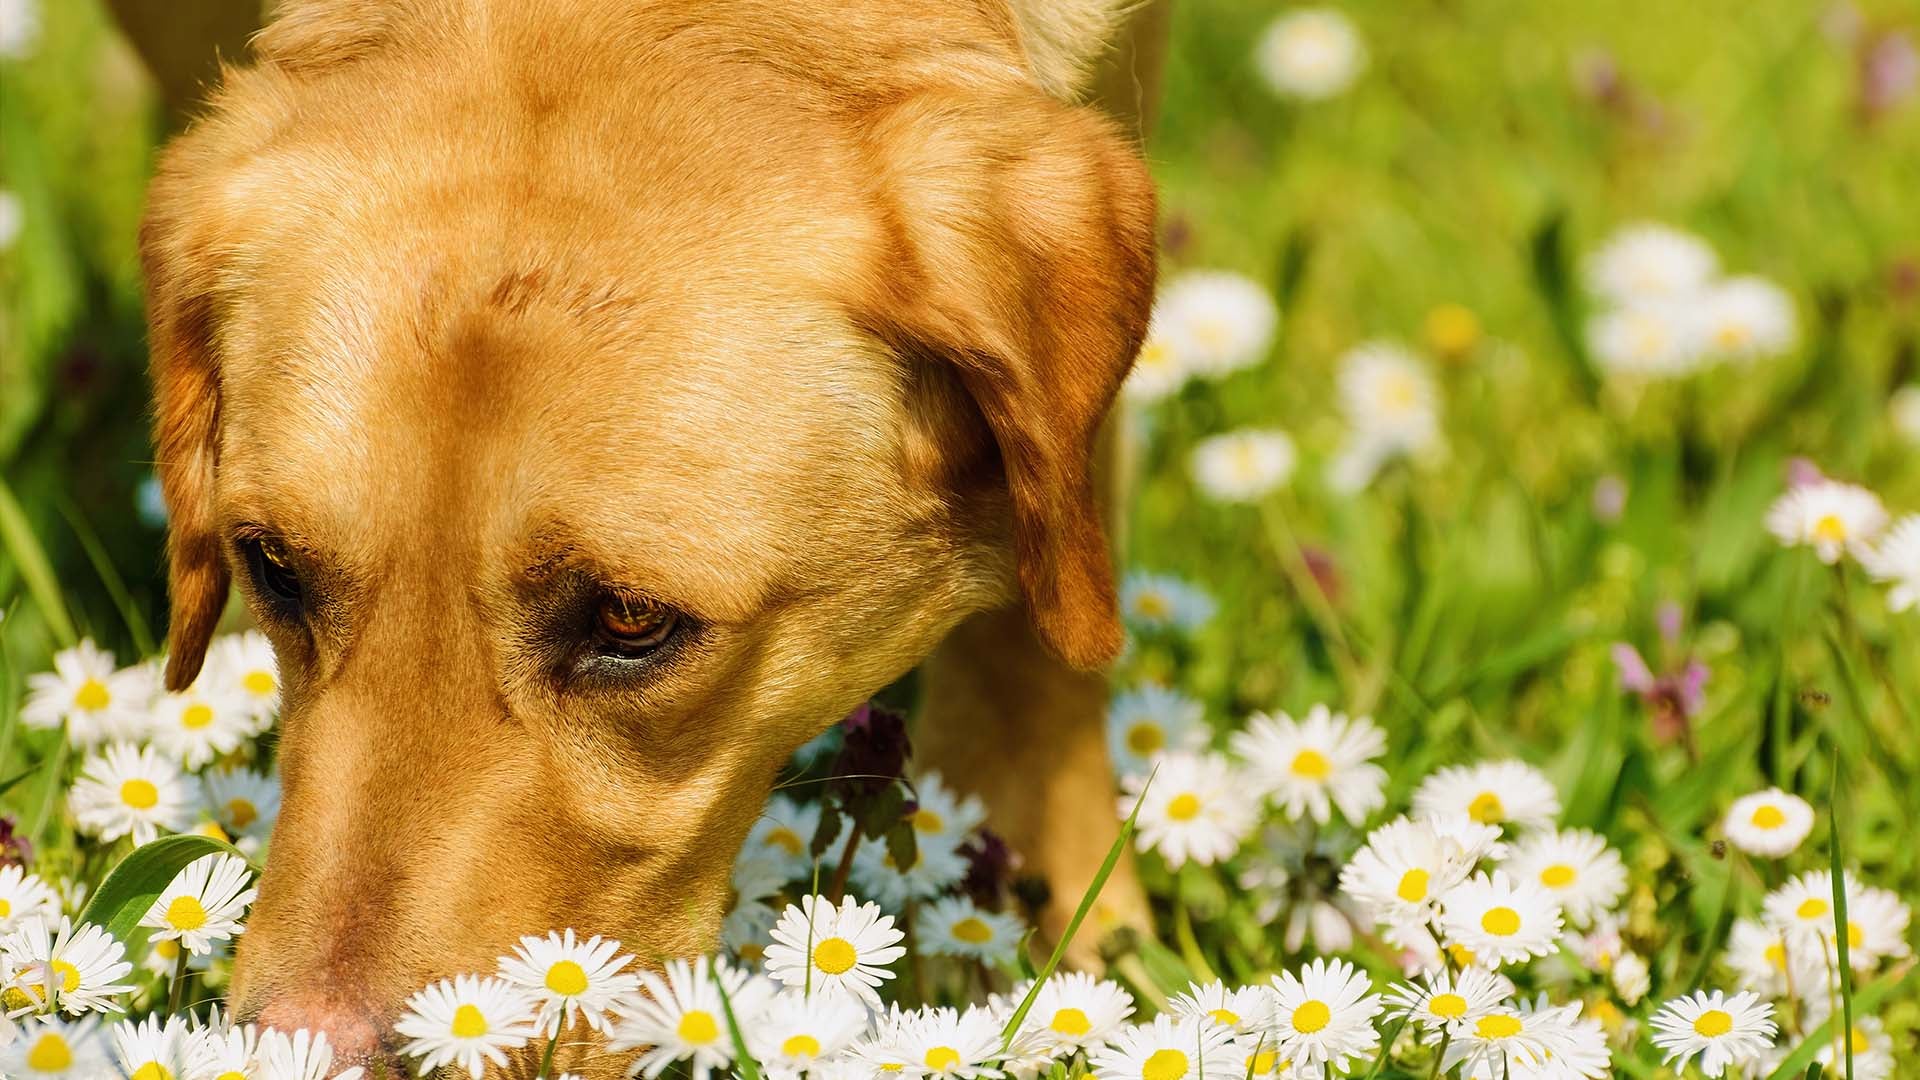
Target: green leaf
(123,899)
(1841,938)
(748,1068)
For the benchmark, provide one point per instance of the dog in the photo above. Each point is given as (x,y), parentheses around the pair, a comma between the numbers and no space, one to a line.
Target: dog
(593,401)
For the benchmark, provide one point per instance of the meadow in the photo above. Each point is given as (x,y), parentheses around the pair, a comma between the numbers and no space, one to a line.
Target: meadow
(1523,471)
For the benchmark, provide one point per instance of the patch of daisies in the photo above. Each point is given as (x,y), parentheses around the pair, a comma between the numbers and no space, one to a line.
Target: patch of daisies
(1843,522)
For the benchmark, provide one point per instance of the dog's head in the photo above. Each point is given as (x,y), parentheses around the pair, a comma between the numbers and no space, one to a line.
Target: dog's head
(594,406)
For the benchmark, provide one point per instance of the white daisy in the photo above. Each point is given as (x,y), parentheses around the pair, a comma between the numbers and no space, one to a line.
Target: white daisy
(1217,321)
(569,979)
(50,1048)
(1164,602)
(86,691)
(1075,1011)
(1243,466)
(303,1055)
(1896,561)
(1575,866)
(793,1031)
(1391,405)
(1324,1016)
(1492,793)
(1310,766)
(1310,53)
(243,666)
(1166,1049)
(942,816)
(1149,719)
(1720,1030)
(163,957)
(756,880)
(1903,412)
(1872,1051)
(1196,808)
(1803,909)
(940,1042)
(679,1015)
(820,948)
(1746,318)
(124,789)
(86,963)
(1831,517)
(1631,977)
(1876,927)
(1553,1043)
(1767,964)
(203,904)
(1499,1038)
(784,832)
(23,896)
(195,727)
(1770,823)
(1440,1002)
(956,926)
(243,802)
(1648,338)
(1645,260)
(1159,369)
(1246,1011)
(1500,920)
(151,1049)
(466,1022)
(1406,864)
(937,867)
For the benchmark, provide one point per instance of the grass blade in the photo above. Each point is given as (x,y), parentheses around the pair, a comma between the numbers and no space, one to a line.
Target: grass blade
(31,559)
(1841,941)
(110,578)
(748,1068)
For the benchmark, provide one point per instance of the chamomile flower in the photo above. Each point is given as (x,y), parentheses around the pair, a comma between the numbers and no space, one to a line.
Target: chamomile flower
(1440,1001)
(1219,322)
(1876,926)
(1500,920)
(1506,793)
(1745,318)
(1631,977)
(1159,369)
(1648,338)
(956,926)
(1721,1031)
(1324,1016)
(784,833)
(1645,260)
(1803,907)
(794,1030)
(1148,720)
(1391,405)
(1766,963)
(195,727)
(1770,823)
(243,802)
(1406,864)
(50,1048)
(1895,560)
(820,948)
(86,963)
(1166,1049)
(125,789)
(1076,1011)
(243,667)
(203,904)
(1195,808)
(679,1015)
(302,1055)
(569,979)
(1243,466)
(937,866)
(1831,517)
(941,1043)
(1575,867)
(941,816)
(1309,767)
(1499,1038)
(151,1049)
(755,880)
(1872,1051)
(1310,53)
(23,896)
(164,956)
(1244,1011)
(466,1022)
(1163,602)
(86,691)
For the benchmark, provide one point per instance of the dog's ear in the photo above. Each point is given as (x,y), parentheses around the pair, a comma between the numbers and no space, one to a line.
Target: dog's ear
(186,390)
(1062,38)
(1023,240)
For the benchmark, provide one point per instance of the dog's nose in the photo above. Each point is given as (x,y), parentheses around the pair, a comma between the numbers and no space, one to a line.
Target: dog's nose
(355,1033)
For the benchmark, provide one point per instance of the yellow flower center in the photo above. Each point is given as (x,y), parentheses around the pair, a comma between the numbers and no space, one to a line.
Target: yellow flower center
(1145,738)
(697,1027)
(1311,765)
(167,950)
(1856,937)
(1487,809)
(1152,605)
(1713,1023)
(1262,1063)
(1449,1006)
(1413,886)
(231,1075)
(973,931)
(1071,1022)
(1812,908)
(942,1058)
(1501,922)
(6,907)
(242,812)
(786,840)
(1164,1065)
(1184,807)
(1311,1016)
(1858,1037)
(1498,1026)
(1225,1017)
(1830,528)
(1452,329)
(152,1070)
(1731,335)
(835,956)
(1767,816)
(50,1053)
(926,821)
(211,829)
(567,978)
(1398,393)
(469,1022)
(196,716)
(259,683)
(69,976)
(15,997)
(801,1046)
(1558,876)
(1212,333)
(140,794)
(92,696)
(185,913)
(1462,956)
(1777,956)
(1154,353)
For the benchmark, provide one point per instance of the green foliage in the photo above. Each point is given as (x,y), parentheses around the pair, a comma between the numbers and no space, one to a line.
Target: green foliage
(132,886)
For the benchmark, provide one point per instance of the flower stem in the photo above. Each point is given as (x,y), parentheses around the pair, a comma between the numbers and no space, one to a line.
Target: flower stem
(178,991)
(546,1060)
(1440,1055)
(837,887)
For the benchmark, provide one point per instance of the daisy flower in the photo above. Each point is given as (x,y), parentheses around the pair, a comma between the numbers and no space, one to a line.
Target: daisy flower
(1310,766)
(1722,1031)
(1243,466)
(794,1031)
(195,727)
(1746,318)
(1903,412)
(1166,1049)
(1310,53)
(784,833)
(1553,1043)
(1075,1011)
(1872,1051)
(1324,1016)
(1631,977)
(86,962)
(1149,719)
(1217,321)
(941,1042)
(23,896)
(1245,1011)
(1831,517)
(1195,809)
(243,802)
(941,816)
(49,1048)
(243,666)
(205,903)
(1500,920)
(1765,963)
(937,867)
(1491,793)
(303,1055)
(1649,338)
(1440,1002)
(1407,863)
(1650,260)
(680,1016)
(1391,404)
(956,926)
(1159,369)
(151,1049)
(1575,866)
(1896,561)
(569,979)
(125,789)
(1876,926)
(464,1023)
(1770,823)
(1501,1038)
(1876,919)
(1164,602)
(755,880)
(96,700)
(820,948)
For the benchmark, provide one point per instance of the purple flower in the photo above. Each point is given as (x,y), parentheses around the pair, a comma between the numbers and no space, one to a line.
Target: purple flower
(1672,699)
(873,750)
(15,849)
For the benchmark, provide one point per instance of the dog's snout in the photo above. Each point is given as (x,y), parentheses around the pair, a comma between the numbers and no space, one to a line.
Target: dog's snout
(357,1036)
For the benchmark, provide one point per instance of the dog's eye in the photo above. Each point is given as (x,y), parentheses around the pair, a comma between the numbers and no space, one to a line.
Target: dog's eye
(627,628)
(273,573)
